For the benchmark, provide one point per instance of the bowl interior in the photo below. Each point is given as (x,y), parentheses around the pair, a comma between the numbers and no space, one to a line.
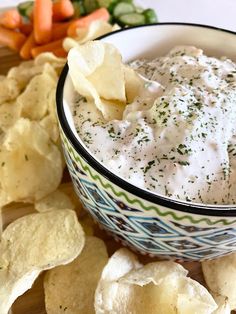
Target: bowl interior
(150,41)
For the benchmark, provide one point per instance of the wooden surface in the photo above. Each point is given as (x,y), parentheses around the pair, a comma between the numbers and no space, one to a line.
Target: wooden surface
(32,302)
(8,59)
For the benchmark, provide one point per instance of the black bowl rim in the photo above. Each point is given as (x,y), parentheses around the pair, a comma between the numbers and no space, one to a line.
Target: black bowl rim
(177,205)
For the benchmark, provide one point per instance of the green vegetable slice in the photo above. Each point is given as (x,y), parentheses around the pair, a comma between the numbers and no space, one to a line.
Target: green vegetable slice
(132,19)
(150,16)
(90,5)
(105,3)
(123,8)
(79,8)
(25,8)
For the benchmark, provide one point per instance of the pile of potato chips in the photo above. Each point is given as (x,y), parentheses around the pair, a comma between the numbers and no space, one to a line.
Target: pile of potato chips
(54,234)
(31,162)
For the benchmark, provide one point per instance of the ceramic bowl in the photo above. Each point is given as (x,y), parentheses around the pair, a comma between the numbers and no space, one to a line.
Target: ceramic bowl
(150,223)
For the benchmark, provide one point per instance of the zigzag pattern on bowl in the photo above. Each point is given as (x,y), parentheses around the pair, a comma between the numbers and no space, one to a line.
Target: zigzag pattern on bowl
(149,229)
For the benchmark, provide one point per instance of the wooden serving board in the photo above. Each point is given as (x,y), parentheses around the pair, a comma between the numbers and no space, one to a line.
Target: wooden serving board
(32,302)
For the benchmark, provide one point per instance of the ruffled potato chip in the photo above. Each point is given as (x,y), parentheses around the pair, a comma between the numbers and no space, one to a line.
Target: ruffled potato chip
(161,287)
(223,305)
(96,28)
(24,72)
(50,58)
(55,200)
(90,69)
(35,99)
(9,90)
(50,125)
(220,276)
(71,288)
(31,164)
(68,189)
(32,244)
(88,225)
(9,113)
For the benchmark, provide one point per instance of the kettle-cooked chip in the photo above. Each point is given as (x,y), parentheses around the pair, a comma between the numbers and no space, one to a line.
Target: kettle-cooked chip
(90,69)
(220,276)
(96,28)
(35,243)
(31,164)
(55,200)
(160,287)
(9,89)
(36,97)
(72,287)
(50,58)
(50,125)
(9,113)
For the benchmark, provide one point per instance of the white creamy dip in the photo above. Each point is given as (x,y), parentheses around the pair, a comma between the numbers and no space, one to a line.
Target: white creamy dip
(178,138)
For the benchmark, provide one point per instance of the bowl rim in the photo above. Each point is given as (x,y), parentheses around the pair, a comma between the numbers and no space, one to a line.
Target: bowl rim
(178,205)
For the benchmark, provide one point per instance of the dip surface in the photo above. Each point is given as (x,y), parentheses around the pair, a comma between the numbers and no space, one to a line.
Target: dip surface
(178,137)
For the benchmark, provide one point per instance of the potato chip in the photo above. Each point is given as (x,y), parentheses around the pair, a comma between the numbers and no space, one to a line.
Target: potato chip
(9,113)
(96,28)
(133,83)
(36,97)
(89,68)
(88,225)
(160,287)
(68,189)
(24,72)
(31,164)
(223,305)
(51,127)
(55,200)
(9,90)
(32,244)
(220,276)
(71,288)
(50,58)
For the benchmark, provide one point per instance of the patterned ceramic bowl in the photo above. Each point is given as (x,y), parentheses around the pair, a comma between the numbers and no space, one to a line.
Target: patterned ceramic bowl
(151,224)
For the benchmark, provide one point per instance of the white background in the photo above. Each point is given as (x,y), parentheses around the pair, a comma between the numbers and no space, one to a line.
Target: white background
(220,13)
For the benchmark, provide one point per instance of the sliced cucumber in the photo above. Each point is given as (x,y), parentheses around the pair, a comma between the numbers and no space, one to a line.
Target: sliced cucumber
(104,3)
(90,5)
(150,16)
(123,8)
(132,19)
(25,8)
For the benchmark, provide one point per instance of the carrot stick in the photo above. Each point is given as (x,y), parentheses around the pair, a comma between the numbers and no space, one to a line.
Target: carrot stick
(48,47)
(11,39)
(42,21)
(59,30)
(60,53)
(25,51)
(26,28)
(11,19)
(62,9)
(100,14)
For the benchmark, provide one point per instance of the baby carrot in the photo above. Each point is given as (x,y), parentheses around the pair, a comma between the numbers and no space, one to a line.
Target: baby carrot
(60,53)
(62,9)
(42,21)
(48,47)
(25,51)
(59,30)
(11,39)
(11,19)
(100,14)
(26,28)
